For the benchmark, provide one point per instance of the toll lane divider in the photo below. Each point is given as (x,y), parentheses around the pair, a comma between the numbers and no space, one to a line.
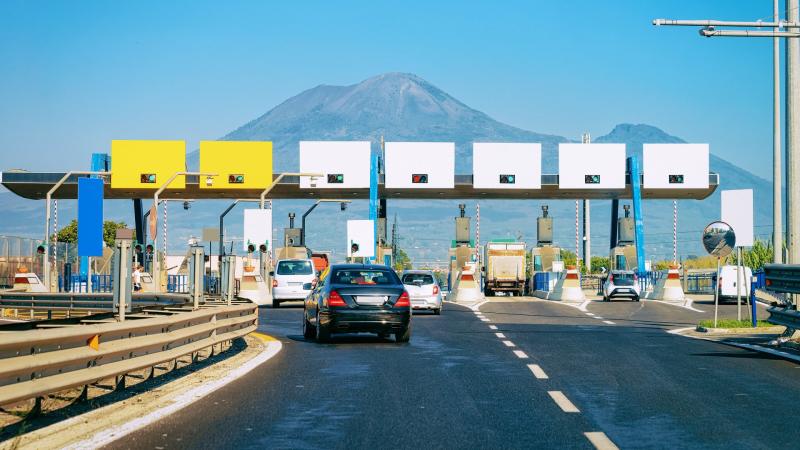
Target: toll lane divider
(35,363)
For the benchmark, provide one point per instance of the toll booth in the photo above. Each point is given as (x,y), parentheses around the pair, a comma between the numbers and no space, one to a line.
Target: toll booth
(623,254)
(545,253)
(462,249)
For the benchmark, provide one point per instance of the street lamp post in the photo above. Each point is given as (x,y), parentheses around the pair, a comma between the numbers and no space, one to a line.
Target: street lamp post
(278,180)
(156,267)
(48,197)
(303,220)
(222,222)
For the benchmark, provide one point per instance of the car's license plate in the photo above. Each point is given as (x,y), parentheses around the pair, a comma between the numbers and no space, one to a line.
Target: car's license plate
(291,283)
(371,300)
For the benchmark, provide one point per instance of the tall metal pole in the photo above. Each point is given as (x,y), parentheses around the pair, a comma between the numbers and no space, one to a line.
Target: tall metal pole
(587,223)
(675,232)
(792,137)
(777,205)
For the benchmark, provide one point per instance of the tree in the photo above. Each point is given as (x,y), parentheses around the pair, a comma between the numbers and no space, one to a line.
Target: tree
(759,254)
(402,262)
(70,232)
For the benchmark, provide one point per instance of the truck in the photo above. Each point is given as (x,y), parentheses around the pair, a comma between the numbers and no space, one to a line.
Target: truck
(504,267)
(321,260)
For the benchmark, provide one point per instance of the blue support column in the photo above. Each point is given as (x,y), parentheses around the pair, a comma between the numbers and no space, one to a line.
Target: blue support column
(636,193)
(373,200)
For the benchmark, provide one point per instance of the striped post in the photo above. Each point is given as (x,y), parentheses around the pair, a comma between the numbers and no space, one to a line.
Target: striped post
(55,231)
(477,231)
(577,235)
(674,232)
(164,260)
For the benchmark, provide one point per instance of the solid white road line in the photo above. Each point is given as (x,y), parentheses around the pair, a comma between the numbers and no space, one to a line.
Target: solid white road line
(563,402)
(537,371)
(599,318)
(478,305)
(520,354)
(500,335)
(492,327)
(509,344)
(608,322)
(484,319)
(600,440)
(589,314)
(182,400)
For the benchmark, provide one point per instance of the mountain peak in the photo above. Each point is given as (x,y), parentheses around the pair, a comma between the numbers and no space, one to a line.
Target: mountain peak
(638,134)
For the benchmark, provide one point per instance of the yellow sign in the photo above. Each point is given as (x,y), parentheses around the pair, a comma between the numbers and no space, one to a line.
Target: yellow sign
(240,164)
(94,342)
(147,164)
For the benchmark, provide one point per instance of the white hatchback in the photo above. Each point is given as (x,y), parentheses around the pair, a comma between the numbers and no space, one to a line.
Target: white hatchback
(423,289)
(292,280)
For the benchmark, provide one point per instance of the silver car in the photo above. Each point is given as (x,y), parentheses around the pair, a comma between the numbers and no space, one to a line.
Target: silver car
(423,289)
(621,283)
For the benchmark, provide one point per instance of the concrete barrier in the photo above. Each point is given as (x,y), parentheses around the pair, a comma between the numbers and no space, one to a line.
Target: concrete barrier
(466,287)
(568,287)
(668,288)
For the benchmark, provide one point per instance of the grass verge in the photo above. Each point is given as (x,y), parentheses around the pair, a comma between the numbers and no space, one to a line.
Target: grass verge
(733,323)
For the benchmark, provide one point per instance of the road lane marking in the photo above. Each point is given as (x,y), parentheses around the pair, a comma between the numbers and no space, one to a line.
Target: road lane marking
(608,322)
(563,402)
(492,327)
(589,314)
(509,344)
(500,335)
(537,371)
(478,305)
(599,318)
(484,319)
(600,440)
(520,354)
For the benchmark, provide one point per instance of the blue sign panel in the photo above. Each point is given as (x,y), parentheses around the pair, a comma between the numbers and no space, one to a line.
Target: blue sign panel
(90,217)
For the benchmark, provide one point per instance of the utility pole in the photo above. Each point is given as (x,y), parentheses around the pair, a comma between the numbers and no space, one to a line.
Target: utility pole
(587,241)
(787,29)
(394,239)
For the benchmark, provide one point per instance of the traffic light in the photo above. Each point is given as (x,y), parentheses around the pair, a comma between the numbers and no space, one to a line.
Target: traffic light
(148,178)
(40,249)
(591,179)
(335,178)
(354,248)
(206,258)
(137,248)
(262,248)
(251,248)
(149,248)
(676,179)
(235,179)
(419,178)
(508,179)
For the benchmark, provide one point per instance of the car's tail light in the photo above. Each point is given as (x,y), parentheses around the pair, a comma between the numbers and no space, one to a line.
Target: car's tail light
(334,299)
(274,283)
(403,300)
(435,289)
(610,278)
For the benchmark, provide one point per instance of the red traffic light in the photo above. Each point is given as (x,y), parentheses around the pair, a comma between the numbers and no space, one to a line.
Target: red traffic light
(40,249)
(419,178)
(251,248)
(149,248)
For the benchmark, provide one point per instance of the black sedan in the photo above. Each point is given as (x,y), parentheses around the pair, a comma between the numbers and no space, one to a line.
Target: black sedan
(358,298)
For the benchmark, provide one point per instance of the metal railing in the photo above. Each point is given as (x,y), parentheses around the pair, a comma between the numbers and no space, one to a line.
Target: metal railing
(38,362)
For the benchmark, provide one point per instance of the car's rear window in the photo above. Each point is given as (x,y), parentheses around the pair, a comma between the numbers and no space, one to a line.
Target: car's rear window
(623,279)
(364,276)
(417,278)
(294,268)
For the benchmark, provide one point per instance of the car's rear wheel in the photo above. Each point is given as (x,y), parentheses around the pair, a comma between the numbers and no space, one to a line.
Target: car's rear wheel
(636,299)
(308,332)
(437,311)
(323,334)
(276,303)
(403,335)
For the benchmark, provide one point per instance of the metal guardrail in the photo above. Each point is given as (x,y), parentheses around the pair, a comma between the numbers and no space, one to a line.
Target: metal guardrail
(790,318)
(782,278)
(35,363)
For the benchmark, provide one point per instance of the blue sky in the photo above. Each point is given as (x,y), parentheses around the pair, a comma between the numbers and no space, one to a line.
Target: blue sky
(78,74)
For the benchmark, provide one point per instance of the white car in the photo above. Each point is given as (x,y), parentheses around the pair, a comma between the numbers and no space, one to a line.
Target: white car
(621,283)
(727,283)
(423,289)
(292,280)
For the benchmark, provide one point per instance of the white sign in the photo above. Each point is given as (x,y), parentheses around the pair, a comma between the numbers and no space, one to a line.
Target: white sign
(420,165)
(591,166)
(360,238)
(258,228)
(343,164)
(558,266)
(506,166)
(675,166)
(737,211)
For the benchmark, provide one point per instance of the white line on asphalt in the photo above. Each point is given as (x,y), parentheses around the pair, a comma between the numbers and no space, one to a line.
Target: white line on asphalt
(608,322)
(484,319)
(600,440)
(500,335)
(599,318)
(478,305)
(537,371)
(182,400)
(687,304)
(520,354)
(589,314)
(509,344)
(492,327)
(563,402)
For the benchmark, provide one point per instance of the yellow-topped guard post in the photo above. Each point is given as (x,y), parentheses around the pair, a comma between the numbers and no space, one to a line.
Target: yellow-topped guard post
(240,164)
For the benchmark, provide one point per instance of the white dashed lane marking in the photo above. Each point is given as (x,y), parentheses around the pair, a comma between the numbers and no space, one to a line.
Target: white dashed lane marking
(537,371)
(563,402)
(509,344)
(608,322)
(483,319)
(600,440)
(500,335)
(492,327)
(520,354)
(589,314)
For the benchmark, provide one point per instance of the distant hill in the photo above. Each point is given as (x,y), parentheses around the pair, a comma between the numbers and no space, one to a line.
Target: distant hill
(401,106)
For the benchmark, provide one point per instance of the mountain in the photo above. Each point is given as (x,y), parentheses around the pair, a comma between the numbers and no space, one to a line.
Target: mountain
(403,106)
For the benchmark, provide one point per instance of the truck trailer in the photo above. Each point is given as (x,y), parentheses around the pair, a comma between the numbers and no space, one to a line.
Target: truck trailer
(504,267)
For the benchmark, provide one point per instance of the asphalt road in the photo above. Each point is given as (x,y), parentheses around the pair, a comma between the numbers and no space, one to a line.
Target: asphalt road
(458,385)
